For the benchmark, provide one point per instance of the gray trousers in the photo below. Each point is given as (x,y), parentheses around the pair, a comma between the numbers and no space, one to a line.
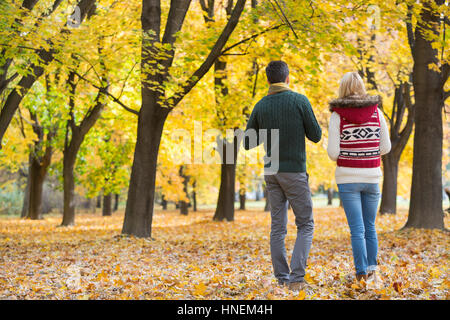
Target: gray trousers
(293,187)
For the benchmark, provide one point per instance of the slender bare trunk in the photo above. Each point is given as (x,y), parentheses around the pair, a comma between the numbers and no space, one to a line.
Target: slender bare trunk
(26,195)
(107,201)
(37,177)
(330,194)
(184,205)
(164,203)
(225,202)
(242,199)
(227,190)
(116,202)
(194,196)
(69,189)
(389,195)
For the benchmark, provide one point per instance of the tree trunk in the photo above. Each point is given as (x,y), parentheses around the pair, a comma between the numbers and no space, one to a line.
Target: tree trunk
(242,199)
(426,209)
(330,194)
(389,194)
(69,189)
(116,202)
(164,203)
(70,155)
(141,193)
(194,198)
(399,139)
(99,202)
(37,175)
(225,202)
(72,145)
(183,205)
(93,203)
(107,209)
(38,165)
(26,195)
(227,190)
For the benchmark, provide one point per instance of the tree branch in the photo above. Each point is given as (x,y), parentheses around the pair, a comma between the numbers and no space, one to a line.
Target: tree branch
(115,99)
(93,114)
(73,88)
(177,13)
(213,55)
(409,29)
(29,4)
(46,159)
(407,130)
(251,37)
(15,97)
(285,18)
(21,126)
(208,10)
(203,5)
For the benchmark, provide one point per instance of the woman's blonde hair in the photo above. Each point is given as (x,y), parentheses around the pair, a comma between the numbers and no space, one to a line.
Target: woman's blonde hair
(351,85)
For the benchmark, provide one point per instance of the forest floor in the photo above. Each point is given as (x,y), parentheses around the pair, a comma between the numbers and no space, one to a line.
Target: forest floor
(192,257)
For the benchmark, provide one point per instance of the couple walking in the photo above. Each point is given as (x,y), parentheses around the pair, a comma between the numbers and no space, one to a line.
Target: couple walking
(357,137)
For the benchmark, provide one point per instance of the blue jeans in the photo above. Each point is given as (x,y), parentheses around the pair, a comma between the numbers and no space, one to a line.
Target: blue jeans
(360,201)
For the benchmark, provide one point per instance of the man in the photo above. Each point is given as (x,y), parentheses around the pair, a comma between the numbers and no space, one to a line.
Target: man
(291,114)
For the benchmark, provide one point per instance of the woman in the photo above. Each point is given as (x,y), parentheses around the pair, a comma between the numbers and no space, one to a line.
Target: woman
(358,136)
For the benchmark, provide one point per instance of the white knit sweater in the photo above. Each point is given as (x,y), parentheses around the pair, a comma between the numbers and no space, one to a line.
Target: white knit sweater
(355,175)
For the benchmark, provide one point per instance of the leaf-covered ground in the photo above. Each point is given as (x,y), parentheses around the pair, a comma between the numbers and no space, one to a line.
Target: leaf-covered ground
(195,258)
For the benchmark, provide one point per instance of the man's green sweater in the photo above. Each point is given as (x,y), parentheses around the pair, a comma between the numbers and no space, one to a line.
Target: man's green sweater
(291,113)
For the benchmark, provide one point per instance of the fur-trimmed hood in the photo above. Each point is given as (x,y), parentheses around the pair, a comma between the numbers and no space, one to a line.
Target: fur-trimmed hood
(355,102)
(356,109)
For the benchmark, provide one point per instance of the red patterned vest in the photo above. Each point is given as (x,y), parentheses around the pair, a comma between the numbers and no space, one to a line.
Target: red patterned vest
(360,137)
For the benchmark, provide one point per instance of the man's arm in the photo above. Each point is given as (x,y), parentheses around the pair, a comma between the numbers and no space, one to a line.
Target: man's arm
(250,131)
(312,128)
